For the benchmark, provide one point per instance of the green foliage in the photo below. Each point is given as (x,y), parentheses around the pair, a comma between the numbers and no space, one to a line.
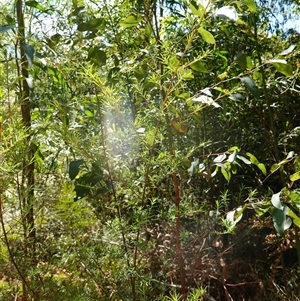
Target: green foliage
(172,124)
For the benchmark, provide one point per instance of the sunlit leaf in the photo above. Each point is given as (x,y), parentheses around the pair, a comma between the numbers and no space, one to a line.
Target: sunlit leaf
(193,167)
(131,20)
(36,5)
(228,12)
(232,157)
(280,219)
(285,69)
(220,158)
(294,177)
(196,11)
(251,5)
(288,50)
(206,35)
(253,159)
(262,168)
(246,161)
(226,173)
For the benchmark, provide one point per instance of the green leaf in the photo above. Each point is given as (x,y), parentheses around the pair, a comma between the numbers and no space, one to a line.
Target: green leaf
(97,56)
(262,167)
(280,220)
(131,20)
(246,161)
(294,216)
(193,167)
(251,86)
(285,69)
(29,52)
(196,11)
(199,66)
(88,113)
(207,36)
(90,25)
(220,158)
(74,168)
(7,27)
(288,50)
(253,159)
(226,173)
(36,5)
(294,177)
(232,157)
(275,200)
(251,5)
(241,58)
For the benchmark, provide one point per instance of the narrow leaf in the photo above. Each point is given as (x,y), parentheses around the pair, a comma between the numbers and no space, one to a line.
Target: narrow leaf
(232,157)
(7,27)
(294,177)
(246,161)
(36,5)
(288,50)
(196,11)
(29,52)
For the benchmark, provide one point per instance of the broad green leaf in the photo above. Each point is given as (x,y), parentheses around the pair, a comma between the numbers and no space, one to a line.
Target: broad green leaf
(74,168)
(36,5)
(7,27)
(232,157)
(88,113)
(294,177)
(220,158)
(288,50)
(90,25)
(207,36)
(275,200)
(29,52)
(226,173)
(246,161)
(97,56)
(251,5)
(285,69)
(228,12)
(196,11)
(234,148)
(251,86)
(199,66)
(262,167)
(253,159)
(131,20)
